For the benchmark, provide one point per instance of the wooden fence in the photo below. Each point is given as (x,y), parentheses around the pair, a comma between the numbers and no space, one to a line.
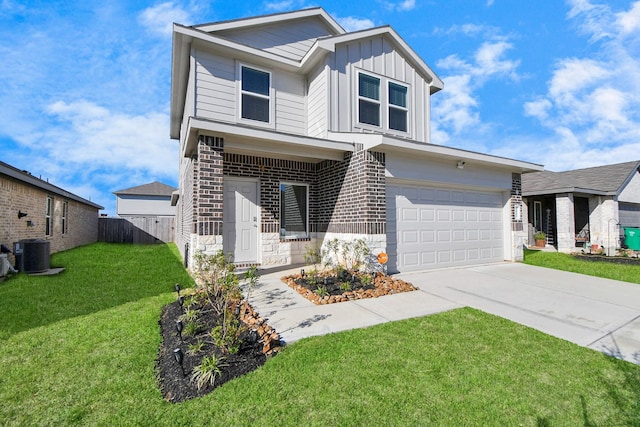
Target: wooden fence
(142,229)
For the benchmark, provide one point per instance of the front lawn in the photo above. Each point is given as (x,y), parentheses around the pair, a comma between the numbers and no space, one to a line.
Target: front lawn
(566,262)
(88,358)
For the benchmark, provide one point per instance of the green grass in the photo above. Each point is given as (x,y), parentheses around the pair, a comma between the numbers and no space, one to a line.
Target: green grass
(95,364)
(566,262)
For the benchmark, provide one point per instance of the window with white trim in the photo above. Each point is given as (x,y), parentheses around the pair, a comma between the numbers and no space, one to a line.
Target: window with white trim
(397,107)
(255,94)
(368,99)
(65,212)
(48,229)
(383,103)
(294,211)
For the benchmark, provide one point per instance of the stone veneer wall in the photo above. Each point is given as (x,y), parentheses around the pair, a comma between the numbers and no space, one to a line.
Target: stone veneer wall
(518,219)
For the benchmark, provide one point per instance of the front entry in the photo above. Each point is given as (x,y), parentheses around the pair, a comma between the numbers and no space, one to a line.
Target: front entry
(240,219)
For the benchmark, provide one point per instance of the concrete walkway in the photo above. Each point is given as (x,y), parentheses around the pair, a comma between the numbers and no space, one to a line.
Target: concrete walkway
(597,313)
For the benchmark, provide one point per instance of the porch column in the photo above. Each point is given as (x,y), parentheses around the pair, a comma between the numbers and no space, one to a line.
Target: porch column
(208,203)
(518,213)
(566,228)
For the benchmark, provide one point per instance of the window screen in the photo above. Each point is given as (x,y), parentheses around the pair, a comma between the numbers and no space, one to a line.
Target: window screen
(255,94)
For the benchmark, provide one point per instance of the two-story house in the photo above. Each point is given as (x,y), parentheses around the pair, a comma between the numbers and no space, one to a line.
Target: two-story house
(293,131)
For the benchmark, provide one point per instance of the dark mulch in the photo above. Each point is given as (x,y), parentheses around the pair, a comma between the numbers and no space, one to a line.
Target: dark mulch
(332,283)
(178,387)
(611,259)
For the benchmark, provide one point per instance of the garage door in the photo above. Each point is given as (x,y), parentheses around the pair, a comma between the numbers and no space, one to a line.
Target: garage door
(431,227)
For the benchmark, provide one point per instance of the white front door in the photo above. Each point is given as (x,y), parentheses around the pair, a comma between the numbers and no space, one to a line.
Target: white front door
(240,219)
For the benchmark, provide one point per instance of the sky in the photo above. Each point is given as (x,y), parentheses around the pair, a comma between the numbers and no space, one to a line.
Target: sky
(85,85)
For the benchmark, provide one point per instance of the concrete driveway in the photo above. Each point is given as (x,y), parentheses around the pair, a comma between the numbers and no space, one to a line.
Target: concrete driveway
(592,312)
(597,313)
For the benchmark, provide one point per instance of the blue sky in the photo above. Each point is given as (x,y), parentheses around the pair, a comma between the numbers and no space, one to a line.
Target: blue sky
(84,99)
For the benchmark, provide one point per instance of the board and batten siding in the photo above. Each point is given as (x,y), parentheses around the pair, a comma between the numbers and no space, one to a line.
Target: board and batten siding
(376,55)
(217,94)
(317,117)
(291,41)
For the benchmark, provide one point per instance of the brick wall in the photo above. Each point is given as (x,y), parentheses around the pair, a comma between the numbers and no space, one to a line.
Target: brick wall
(82,220)
(344,196)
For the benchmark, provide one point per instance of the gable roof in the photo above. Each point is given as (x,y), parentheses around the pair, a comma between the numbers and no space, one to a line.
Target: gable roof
(213,35)
(608,180)
(26,177)
(152,189)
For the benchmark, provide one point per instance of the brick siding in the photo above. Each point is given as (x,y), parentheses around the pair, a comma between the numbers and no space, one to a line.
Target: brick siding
(82,219)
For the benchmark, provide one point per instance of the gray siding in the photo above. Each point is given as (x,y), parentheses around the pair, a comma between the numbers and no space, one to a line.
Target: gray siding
(317,102)
(290,103)
(378,56)
(217,94)
(291,41)
(215,87)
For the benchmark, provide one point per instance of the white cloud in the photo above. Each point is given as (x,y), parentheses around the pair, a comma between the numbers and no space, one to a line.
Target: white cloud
(402,6)
(279,5)
(159,19)
(594,100)
(89,134)
(355,24)
(629,22)
(455,109)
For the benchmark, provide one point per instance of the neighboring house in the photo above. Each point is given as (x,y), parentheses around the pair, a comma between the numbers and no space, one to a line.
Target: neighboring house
(153,199)
(583,205)
(293,132)
(31,208)
(145,215)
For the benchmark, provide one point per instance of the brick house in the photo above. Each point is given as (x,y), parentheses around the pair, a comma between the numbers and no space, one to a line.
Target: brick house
(293,131)
(583,205)
(31,208)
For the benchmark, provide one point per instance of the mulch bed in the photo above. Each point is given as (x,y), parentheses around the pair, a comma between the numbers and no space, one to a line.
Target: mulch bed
(177,386)
(611,259)
(380,285)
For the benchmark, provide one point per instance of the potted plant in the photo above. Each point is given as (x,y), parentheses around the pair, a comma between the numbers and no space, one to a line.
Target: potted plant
(541,238)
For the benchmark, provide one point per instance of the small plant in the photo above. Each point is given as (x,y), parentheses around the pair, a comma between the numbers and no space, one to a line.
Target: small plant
(366,279)
(227,336)
(191,329)
(345,286)
(312,256)
(195,348)
(540,235)
(321,291)
(207,371)
(190,315)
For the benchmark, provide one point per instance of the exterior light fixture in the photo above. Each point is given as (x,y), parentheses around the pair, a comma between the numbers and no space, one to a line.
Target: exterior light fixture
(179,328)
(179,356)
(177,288)
(181,301)
(253,336)
(302,273)
(21,214)
(238,310)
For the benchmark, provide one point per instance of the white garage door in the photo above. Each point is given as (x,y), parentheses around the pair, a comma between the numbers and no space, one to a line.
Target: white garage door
(431,227)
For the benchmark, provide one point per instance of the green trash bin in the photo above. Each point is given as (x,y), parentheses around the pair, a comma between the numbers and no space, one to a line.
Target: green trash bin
(632,238)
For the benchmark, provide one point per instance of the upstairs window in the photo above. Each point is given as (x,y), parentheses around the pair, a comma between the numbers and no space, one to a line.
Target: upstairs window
(255,94)
(368,99)
(397,107)
(294,211)
(383,103)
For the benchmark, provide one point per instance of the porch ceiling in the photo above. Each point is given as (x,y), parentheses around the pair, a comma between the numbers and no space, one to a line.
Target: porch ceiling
(242,139)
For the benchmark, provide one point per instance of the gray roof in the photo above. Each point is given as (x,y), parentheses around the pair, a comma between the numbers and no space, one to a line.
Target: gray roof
(152,189)
(608,180)
(27,178)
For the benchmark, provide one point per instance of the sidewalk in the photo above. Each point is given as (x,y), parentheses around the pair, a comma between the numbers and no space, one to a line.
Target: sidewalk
(294,317)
